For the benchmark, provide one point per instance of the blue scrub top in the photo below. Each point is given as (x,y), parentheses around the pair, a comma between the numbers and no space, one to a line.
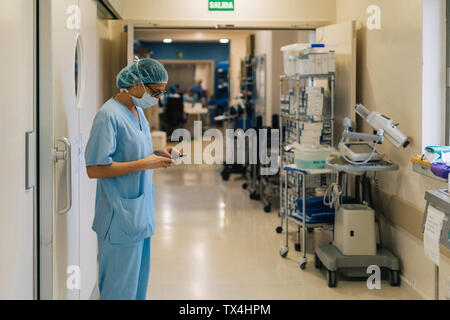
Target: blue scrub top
(124,206)
(197,91)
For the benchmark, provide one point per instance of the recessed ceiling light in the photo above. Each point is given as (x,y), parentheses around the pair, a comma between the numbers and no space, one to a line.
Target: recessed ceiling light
(167,40)
(224,40)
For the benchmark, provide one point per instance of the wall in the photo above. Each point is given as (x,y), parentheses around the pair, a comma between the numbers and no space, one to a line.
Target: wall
(389,80)
(117,6)
(203,72)
(112,57)
(269,12)
(16,203)
(237,46)
(181,74)
(103,61)
(191,50)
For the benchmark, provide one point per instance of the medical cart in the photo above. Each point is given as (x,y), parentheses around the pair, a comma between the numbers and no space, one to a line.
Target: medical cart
(301,219)
(254,72)
(439,199)
(332,259)
(270,191)
(232,119)
(295,118)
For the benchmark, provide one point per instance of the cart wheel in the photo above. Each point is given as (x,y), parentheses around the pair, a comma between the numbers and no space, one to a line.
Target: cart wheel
(317,263)
(268,208)
(279,229)
(302,263)
(254,196)
(284,251)
(331,278)
(310,230)
(298,247)
(394,278)
(245,186)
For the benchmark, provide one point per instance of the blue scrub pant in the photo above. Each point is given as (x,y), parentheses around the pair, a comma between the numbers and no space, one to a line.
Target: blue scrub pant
(123,270)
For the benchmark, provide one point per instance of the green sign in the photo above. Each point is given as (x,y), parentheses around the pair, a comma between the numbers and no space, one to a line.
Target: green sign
(223,5)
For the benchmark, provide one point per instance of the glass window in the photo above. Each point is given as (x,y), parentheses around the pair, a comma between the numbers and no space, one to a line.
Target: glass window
(447,125)
(78,68)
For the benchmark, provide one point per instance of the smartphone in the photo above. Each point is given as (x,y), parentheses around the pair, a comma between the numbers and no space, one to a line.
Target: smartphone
(160,154)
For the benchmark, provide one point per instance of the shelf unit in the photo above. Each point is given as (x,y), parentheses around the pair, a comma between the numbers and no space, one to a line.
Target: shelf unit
(294,115)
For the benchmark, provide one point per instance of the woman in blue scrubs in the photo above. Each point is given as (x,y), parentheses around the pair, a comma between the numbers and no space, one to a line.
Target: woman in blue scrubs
(119,154)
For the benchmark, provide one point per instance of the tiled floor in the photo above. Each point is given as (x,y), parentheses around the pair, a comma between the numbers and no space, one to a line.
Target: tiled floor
(213,242)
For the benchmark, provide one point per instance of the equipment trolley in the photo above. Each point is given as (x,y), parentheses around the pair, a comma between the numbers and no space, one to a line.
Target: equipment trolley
(296,117)
(333,260)
(301,221)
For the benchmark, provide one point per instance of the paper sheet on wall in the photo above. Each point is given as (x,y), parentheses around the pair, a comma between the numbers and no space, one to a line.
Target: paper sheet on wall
(432,234)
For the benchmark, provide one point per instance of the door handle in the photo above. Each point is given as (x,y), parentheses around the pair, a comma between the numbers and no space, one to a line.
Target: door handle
(30,160)
(65,155)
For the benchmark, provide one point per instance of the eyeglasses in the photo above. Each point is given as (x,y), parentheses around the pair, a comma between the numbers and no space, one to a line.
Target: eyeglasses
(156,93)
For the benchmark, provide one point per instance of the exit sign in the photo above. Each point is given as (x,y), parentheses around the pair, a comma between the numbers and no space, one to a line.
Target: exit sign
(225,5)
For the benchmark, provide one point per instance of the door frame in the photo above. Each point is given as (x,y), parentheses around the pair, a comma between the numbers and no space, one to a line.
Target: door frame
(45,147)
(36,239)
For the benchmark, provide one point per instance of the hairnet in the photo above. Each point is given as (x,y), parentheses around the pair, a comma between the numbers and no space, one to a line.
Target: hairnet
(143,70)
(173,89)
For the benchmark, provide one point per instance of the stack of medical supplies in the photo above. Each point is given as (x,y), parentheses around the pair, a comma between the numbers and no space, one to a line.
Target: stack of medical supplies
(313,101)
(308,59)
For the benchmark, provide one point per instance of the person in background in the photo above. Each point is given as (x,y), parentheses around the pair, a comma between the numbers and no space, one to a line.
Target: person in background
(119,154)
(197,89)
(173,93)
(189,96)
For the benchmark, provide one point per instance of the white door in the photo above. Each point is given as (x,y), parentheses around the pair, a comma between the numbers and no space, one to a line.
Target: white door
(17,117)
(342,38)
(88,109)
(68,252)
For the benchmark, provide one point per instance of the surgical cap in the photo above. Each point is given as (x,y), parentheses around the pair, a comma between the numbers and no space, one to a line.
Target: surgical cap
(143,70)
(173,89)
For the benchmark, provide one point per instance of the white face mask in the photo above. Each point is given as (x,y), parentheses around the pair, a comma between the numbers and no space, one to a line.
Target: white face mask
(146,101)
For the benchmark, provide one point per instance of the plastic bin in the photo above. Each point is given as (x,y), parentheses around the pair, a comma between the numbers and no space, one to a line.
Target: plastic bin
(290,57)
(316,61)
(311,157)
(308,59)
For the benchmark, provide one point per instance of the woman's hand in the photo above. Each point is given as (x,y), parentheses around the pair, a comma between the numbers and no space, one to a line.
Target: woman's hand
(157,162)
(170,153)
(174,153)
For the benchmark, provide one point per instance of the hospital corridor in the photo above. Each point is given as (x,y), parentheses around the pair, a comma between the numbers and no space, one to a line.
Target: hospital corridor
(227,249)
(225,157)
